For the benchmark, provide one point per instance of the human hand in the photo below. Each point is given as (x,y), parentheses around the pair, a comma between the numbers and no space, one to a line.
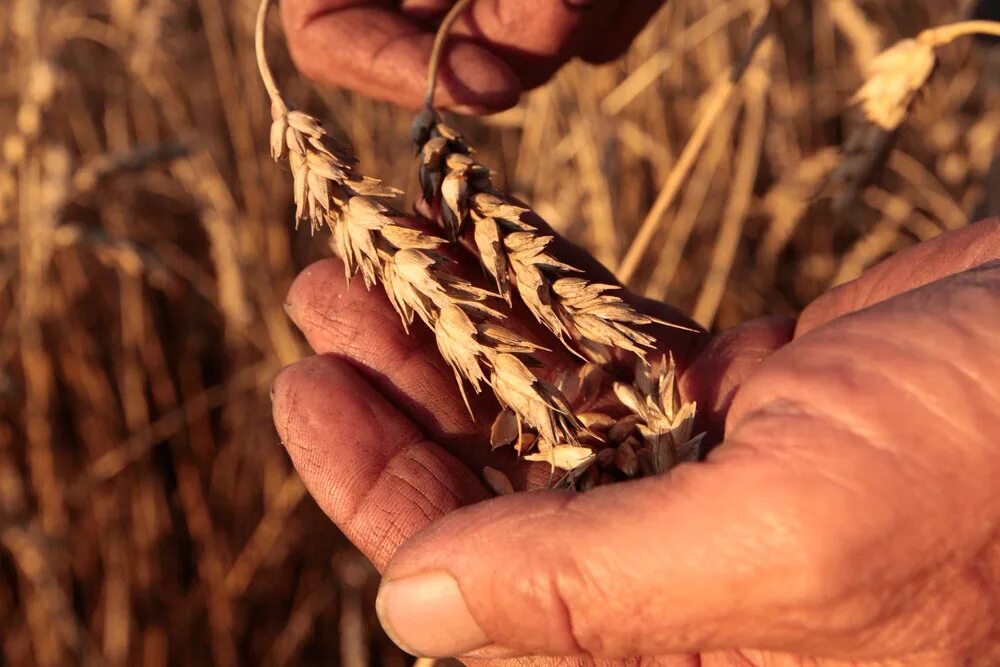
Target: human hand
(500,47)
(850,512)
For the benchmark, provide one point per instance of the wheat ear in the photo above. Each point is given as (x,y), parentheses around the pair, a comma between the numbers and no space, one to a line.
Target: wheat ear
(374,240)
(585,316)
(893,79)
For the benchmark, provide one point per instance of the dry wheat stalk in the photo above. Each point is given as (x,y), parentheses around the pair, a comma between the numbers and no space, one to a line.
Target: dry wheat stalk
(893,79)
(41,89)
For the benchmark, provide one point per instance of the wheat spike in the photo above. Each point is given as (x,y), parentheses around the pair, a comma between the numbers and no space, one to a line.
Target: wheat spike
(586,316)
(373,240)
(893,79)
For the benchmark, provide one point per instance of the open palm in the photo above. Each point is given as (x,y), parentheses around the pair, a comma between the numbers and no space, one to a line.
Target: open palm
(850,512)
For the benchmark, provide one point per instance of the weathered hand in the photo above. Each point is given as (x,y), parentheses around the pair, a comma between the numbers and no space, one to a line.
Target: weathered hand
(850,512)
(501,47)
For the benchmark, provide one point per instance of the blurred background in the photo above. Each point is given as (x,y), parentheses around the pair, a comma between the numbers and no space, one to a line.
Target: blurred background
(148,514)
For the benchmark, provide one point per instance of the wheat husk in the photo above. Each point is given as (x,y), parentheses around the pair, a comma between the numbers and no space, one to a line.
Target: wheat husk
(893,82)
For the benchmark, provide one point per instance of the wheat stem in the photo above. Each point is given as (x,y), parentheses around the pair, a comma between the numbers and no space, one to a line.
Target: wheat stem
(266,75)
(437,51)
(948,33)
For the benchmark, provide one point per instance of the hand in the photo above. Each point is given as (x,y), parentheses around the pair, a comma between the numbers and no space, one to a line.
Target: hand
(502,47)
(850,512)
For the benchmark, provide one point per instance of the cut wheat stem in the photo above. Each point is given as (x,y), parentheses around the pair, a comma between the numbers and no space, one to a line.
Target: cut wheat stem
(946,34)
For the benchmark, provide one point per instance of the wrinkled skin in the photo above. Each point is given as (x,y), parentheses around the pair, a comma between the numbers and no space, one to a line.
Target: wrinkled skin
(850,513)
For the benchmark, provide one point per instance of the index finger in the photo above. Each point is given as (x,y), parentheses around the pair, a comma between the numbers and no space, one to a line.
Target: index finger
(376,50)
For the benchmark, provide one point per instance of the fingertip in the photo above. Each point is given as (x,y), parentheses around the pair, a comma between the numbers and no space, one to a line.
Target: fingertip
(378,52)
(474,80)
(294,392)
(313,288)
(280,401)
(336,315)
(720,368)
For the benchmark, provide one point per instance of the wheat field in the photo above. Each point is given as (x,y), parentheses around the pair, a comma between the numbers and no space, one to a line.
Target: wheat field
(148,514)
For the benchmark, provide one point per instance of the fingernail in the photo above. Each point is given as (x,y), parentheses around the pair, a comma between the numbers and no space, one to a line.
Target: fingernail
(289,310)
(426,615)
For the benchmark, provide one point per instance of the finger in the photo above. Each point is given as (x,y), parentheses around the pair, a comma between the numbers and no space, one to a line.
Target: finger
(626,25)
(725,362)
(377,51)
(894,408)
(368,467)
(347,320)
(697,561)
(920,265)
(536,37)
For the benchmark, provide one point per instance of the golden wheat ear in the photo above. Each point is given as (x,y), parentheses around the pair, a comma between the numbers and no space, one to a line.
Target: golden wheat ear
(376,241)
(586,316)
(893,81)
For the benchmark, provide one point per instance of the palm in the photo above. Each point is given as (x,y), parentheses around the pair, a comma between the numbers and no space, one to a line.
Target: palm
(801,452)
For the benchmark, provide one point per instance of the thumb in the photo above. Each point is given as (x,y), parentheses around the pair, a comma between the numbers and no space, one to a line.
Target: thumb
(696,560)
